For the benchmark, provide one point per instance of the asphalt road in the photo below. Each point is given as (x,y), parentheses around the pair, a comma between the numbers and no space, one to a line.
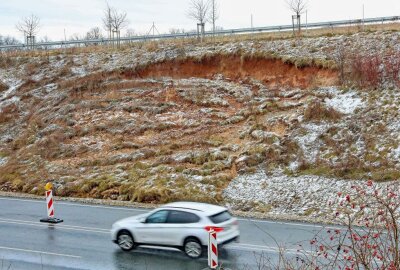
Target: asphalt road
(83,241)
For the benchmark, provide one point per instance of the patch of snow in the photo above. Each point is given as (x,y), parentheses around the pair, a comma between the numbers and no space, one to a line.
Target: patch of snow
(396,153)
(182,157)
(294,165)
(50,87)
(79,71)
(13,86)
(309,142)
(3,161)
(13,100)
(345,103)
(290,195)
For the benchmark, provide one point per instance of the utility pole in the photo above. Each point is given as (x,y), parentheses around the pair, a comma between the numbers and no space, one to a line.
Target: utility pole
(363,17)
(153,30)
(213,19)
(306,22)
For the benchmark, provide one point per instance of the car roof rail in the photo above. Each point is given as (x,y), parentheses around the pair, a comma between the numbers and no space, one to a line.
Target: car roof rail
(181,207)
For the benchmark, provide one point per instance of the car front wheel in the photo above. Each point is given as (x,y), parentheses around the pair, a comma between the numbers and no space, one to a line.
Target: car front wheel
(193,248)
(125,241)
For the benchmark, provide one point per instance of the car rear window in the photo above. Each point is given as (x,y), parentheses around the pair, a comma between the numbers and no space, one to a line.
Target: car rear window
(220,217)
(180,217)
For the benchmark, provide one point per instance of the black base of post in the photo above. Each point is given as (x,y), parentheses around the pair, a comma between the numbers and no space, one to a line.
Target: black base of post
(51,220)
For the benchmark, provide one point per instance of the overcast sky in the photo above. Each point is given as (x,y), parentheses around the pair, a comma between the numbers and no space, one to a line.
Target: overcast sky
(78,16)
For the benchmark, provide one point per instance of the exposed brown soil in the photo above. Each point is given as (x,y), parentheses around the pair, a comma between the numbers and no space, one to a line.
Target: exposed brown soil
(272,72)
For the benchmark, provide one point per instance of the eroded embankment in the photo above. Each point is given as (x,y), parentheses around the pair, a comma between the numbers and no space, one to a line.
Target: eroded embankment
(184,135)
(271,72)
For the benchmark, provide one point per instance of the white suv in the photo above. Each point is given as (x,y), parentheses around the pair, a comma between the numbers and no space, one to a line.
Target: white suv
(182,225)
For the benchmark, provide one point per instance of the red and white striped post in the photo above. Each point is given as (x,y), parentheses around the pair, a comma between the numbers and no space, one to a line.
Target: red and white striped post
(212,249)
(50,206)
(49,202)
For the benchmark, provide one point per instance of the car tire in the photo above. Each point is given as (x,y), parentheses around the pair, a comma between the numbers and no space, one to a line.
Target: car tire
(125,240)
(193,248)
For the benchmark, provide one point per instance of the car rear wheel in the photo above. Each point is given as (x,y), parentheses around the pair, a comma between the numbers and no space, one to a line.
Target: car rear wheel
(125,241)
(193,248)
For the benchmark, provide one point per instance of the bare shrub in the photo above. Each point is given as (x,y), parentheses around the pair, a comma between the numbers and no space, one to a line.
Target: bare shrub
(8,113)
(28,85)
(365,70)
(317,111)
(6,61)
(3,86)
(370,238)
(65,71)
(340,58)
(371,69)
(392,68)
(32,68)
(91,83)
(152,46)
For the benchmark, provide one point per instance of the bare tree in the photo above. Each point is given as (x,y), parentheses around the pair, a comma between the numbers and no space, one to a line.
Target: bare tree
(29,26)
(114,21)
(214,14)
(176,31)
(107,20)
(130,32)
(94,33)
(118,20)
(298,7)
(8,40)
(45,47)
(75,37)
(198,11)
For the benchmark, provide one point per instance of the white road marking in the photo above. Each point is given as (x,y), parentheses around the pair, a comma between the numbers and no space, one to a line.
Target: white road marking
(58,225)
(260,248)
(316,226)
(250,245)
(266,248)
(279,223)
(65,227)
(77,204)
(40,252)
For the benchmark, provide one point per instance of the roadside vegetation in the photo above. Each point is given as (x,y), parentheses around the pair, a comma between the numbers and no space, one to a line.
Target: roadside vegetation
(368,239)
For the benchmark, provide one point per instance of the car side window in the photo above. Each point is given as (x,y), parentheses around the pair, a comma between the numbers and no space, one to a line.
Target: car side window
(158,217)
(181,217)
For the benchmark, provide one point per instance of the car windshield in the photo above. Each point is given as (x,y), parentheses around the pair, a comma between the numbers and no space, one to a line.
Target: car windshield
(220,217)
(157,217)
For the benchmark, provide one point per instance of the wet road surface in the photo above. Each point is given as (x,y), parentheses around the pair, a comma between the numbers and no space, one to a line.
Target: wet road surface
(83,240)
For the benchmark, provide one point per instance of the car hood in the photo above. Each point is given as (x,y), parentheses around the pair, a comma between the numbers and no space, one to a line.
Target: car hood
(133,219)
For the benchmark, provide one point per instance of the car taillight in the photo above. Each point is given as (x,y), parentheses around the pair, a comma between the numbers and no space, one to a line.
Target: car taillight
(214,228)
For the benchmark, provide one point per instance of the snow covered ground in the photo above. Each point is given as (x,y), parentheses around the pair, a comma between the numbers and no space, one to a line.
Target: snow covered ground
(307,197)
(346,102)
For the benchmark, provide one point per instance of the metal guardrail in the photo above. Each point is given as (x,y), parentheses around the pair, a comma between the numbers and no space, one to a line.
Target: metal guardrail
(208,33)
